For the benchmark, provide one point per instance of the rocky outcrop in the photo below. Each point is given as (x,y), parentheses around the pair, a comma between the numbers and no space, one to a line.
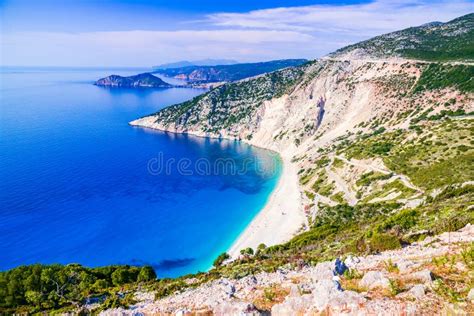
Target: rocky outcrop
(320,112)
(145,80)
(357,286)
(374,279)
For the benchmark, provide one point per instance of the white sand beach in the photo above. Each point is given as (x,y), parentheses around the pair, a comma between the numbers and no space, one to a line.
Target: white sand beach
(281,217)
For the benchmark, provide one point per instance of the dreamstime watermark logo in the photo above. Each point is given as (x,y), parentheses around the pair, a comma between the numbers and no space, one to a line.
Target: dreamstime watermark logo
(161,165)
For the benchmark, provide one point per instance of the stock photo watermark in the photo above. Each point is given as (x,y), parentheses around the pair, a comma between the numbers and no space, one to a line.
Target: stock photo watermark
(162,165)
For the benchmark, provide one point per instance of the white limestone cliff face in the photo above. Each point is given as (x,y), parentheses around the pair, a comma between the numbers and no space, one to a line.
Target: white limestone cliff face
(352,92)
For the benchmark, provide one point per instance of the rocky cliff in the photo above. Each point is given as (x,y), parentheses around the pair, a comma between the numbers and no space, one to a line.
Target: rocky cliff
(300,109)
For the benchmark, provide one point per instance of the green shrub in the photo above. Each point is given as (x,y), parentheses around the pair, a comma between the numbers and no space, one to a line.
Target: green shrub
(467,256)
(338,163)
(395,287)
(351,274)
(381,242)
(146,274)
(261,247)
(390,266)
(439,76)
(247,251)
(123,275)
(220,259)
(312,235)
(338,197)
(381,148)
(404,219)
(454,191)
(310,195)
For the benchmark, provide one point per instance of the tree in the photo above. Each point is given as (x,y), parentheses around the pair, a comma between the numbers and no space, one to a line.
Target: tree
(246,252)
(33,297)
(261,246)
(260,249)
(146,274)
(120,276)
(46,287)
(99,285)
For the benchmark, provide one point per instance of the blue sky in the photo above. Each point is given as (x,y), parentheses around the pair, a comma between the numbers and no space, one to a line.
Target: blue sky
(144,33)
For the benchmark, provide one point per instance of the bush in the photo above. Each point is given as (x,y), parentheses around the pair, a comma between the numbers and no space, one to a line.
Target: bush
(404,219)
(351,274)
(454,191)
(122,276)
(246,252)
(367,178)
(381,148)
(452,223)
(382,242)
(115,301)
(99,285)
(311,236)
(220,259)
(262,246)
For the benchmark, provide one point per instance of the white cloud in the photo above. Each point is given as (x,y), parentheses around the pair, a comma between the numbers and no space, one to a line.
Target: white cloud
(362,19)
(292,32)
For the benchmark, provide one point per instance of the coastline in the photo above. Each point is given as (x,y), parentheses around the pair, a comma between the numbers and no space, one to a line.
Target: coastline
(281,217)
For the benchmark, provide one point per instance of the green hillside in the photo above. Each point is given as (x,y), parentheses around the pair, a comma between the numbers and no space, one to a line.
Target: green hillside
(453,40)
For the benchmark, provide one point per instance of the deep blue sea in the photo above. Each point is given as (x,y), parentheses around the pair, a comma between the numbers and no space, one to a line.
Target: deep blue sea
(79,185)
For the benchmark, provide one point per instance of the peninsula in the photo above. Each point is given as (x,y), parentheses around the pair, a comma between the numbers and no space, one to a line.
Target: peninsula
(195,74)
(144,80)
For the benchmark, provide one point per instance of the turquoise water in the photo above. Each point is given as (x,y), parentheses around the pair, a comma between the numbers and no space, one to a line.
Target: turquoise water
(78,184)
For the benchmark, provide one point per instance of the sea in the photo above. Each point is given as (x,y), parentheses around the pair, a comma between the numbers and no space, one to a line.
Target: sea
(80,185)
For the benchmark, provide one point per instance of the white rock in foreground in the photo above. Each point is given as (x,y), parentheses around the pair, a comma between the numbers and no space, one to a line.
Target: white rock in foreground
(315,290)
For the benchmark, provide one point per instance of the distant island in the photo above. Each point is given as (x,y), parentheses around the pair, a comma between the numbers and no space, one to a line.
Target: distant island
(145,80)
(226,73)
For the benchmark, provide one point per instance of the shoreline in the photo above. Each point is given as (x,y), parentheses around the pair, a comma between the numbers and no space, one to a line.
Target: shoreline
(281,217)
(279,220)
